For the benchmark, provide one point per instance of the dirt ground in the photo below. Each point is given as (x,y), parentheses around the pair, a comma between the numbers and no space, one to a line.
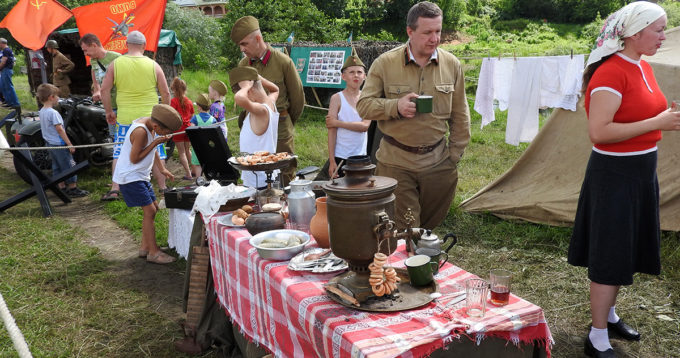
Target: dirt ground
(164,284)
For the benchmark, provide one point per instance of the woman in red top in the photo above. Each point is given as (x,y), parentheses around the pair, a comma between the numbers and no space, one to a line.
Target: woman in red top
(185,107)
(616,229)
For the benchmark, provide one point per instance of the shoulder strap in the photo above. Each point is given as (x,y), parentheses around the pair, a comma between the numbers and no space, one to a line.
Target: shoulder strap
(102,67)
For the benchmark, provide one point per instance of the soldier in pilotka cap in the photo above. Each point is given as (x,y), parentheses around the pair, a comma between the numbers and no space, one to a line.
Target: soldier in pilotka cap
(61,66)
(278,68)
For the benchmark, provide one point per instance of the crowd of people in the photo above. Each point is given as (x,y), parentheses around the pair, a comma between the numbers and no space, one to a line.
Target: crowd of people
(616,231)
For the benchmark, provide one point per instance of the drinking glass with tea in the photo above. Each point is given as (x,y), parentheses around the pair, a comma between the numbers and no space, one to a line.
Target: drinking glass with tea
(500,286)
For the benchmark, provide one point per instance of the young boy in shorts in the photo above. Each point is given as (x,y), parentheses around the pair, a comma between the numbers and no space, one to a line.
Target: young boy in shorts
(54,134)
(133,172)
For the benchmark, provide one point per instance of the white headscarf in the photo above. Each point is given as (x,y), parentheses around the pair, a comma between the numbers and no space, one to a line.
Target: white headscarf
(626,22)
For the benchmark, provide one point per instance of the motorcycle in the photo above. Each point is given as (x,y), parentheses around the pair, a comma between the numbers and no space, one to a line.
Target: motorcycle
(85,123)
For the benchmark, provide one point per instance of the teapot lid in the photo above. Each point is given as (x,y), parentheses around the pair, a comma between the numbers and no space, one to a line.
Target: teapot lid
(428,235)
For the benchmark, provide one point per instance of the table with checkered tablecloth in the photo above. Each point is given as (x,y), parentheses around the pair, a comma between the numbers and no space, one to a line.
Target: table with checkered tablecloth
(289,313)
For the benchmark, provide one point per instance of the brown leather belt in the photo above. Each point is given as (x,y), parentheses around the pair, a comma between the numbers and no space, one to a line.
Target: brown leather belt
(421,149)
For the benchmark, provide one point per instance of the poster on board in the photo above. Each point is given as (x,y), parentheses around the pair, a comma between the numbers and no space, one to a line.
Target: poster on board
(320,66)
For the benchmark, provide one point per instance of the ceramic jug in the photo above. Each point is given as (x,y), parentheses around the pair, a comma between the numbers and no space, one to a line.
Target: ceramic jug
(301,204)
(318,227)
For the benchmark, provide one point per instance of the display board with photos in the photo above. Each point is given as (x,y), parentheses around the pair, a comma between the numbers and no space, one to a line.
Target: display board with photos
(320,66)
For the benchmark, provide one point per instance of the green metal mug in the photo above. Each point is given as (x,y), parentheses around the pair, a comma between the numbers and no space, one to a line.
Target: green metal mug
(419,270)
(423,104)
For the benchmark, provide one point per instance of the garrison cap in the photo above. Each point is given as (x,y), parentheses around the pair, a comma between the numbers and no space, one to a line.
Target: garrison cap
(52,44)
(242,73)
(167,115)
(353,60)
(219,87)
(203,100)
(243,27)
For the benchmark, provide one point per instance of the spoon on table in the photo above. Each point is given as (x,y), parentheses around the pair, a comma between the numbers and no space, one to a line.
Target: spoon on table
(312,257)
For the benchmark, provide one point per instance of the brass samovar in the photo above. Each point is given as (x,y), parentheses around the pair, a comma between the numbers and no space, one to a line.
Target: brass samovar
(359,208)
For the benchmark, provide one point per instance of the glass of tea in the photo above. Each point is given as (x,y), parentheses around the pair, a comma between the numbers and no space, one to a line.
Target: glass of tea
(500,286)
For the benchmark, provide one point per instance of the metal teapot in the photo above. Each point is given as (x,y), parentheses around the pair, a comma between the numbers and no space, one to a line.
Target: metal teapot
(426,238)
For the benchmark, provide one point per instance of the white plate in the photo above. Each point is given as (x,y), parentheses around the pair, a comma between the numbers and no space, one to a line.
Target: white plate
(310,267)
(226,221)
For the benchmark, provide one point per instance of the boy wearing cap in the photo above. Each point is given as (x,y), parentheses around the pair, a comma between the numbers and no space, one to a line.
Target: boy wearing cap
(346,129)
(260,126)
(61,65)
(216,91)
(138,81)
(133,172)
(200,119)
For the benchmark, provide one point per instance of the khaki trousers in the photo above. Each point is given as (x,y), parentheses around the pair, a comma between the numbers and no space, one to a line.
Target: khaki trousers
(428,193)
(286,143)
(64,91)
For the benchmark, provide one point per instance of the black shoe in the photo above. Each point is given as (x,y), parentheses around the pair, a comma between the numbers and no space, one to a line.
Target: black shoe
(591,351)
(623,330)
(77,192)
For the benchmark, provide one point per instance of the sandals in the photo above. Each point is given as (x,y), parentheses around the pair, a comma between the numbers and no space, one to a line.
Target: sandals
(142,254)
(160,258)
(111,195)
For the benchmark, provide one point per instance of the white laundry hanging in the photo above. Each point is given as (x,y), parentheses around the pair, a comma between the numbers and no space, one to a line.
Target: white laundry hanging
(525,84)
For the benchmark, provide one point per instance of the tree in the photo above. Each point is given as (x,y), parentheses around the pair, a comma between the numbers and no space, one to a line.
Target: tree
(278,19)
(203,37)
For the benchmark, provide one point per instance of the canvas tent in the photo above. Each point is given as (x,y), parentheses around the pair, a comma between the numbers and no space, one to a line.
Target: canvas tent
(543,186)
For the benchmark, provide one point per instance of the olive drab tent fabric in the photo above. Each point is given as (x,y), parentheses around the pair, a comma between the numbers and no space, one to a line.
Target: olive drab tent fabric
(544,184)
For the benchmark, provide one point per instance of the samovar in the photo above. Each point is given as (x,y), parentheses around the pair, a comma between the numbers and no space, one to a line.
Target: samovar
(359,208)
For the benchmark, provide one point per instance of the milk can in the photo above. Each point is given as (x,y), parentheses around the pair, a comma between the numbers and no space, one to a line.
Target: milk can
(301,204)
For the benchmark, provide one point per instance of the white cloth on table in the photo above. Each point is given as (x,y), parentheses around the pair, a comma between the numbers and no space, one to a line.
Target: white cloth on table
(524,85)
(180,224)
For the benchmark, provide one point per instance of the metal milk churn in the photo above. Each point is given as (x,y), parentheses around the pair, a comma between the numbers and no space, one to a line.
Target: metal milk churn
(301,204)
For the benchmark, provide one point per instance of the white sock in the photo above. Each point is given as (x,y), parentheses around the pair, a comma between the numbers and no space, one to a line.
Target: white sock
(599,338)
(613,317)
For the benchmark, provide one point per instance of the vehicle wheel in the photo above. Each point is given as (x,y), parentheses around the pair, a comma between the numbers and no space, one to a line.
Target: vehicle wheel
(40,157)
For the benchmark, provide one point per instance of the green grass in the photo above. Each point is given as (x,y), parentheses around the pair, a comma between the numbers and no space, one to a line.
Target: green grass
(63,295)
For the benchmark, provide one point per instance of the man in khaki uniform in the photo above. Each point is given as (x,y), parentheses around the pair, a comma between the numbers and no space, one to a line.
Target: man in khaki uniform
(414,149)
(60,67)
(278,68)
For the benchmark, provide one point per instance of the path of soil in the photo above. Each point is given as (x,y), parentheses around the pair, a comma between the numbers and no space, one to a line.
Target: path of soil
(162,283)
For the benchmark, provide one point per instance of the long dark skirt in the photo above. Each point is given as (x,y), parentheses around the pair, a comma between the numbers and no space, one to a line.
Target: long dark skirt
(616,230)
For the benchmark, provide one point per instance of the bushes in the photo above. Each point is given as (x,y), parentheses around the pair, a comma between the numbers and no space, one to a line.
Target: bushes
(278,19)
(202,37)
(573,11)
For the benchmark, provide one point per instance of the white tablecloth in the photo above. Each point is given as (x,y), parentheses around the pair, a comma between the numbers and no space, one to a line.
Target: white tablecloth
(180,224)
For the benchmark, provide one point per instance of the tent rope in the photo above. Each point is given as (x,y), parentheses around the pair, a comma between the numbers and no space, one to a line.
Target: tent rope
(14,332)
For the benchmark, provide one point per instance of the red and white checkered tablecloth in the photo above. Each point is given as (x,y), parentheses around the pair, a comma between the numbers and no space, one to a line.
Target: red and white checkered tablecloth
(289,313)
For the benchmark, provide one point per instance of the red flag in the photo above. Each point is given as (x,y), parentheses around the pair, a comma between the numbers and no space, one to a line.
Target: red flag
(31,21)
(111,21)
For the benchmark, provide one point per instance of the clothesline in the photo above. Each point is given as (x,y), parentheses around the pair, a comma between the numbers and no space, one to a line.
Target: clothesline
(513,55)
